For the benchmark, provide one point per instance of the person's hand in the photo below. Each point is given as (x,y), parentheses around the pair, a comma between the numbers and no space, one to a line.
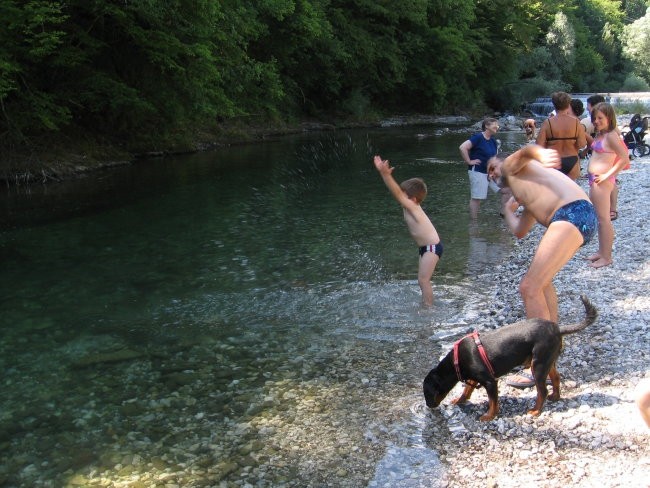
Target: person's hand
(512,205)
(549,158)
(598,179)
(382,165)
(474,162)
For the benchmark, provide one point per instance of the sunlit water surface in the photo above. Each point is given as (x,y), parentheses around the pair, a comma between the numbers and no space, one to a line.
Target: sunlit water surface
(249,315)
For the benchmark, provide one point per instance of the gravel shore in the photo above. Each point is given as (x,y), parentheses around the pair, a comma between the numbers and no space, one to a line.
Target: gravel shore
(594,435)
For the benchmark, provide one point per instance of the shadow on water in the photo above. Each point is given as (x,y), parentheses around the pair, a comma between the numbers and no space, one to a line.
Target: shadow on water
(249,315)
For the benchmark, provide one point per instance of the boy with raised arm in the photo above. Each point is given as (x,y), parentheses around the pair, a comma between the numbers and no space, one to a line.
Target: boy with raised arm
(410,195)
(560,205)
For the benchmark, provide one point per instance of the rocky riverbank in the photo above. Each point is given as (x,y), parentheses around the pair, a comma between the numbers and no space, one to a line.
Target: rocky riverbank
(594,435)
(51,161)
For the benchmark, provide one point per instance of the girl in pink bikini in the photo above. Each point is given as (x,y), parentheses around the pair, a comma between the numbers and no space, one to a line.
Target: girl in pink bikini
(609,157)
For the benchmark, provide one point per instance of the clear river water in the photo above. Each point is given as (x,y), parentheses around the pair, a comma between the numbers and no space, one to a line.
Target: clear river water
(248,316)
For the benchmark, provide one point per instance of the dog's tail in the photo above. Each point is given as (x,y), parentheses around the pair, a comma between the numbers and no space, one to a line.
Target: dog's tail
(590,318)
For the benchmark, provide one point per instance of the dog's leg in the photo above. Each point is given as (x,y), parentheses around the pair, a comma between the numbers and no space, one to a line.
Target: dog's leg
(493,400)
(467,392)
(540,373)
(555,382)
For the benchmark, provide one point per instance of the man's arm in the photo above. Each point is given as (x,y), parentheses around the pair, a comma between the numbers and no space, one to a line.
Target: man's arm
(519,225)
(514,163)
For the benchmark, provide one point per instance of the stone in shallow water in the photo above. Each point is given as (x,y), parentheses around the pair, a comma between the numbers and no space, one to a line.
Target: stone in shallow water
(401,464)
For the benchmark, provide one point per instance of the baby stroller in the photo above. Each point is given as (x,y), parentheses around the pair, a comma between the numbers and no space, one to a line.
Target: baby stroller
(634,138)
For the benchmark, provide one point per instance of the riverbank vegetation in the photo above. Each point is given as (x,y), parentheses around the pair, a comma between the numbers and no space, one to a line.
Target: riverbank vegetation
(117,77)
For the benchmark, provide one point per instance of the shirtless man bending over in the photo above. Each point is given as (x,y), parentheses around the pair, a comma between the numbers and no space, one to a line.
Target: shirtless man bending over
(560,205)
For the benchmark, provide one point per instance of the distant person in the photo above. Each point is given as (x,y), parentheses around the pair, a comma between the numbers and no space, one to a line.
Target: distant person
(592,101)
(560,205)
(476,151)
(577,109)
(609,157)
(564,133)
(530,128)
(410,195)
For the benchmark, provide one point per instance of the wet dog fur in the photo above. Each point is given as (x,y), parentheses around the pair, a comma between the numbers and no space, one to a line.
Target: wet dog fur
(533,342)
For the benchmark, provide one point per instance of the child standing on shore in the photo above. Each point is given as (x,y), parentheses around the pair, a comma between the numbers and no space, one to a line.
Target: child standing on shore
(609,156)
(410,195)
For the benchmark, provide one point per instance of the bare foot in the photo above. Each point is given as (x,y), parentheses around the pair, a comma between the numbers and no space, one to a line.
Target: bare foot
(593,257)
(599,263)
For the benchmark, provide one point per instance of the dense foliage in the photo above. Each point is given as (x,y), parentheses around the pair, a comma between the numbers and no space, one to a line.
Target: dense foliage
(130,70)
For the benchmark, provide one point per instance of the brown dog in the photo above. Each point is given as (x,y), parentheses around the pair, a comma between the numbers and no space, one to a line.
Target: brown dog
(479,362)
(530,129)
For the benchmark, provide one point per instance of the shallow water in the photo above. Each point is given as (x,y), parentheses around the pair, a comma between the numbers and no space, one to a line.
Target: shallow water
(249,315)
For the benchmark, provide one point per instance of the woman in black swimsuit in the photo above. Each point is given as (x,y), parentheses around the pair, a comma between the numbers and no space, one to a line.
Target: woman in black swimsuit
(564,133)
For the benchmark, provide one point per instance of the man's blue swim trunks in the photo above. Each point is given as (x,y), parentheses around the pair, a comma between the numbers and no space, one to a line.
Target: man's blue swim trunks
(580,213)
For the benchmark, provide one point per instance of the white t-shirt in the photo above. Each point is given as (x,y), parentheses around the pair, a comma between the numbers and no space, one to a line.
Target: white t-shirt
(586,122)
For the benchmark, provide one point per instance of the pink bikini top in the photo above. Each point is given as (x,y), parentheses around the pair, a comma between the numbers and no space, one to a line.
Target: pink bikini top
(597,146)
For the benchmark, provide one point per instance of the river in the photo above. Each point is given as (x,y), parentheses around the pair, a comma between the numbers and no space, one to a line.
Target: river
(242,317)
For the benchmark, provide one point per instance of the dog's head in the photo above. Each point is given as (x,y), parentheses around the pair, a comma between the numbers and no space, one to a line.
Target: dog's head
(433,391)
(529,126)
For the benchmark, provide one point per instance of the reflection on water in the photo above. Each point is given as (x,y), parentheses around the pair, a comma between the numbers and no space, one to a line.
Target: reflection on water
(245,316)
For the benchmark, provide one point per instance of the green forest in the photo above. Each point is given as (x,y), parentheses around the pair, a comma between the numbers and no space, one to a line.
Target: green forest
(144,74)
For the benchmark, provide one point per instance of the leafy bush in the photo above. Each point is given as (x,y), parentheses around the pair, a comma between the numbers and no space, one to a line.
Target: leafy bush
(634,83)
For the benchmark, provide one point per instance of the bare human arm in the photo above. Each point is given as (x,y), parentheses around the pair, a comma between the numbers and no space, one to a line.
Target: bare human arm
(519,225)
(464,152)
(541,135)
(386,172)
(517,161)
(581,139)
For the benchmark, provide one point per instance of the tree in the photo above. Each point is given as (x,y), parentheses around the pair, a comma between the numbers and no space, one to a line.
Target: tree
(636,45)
(32,38)
(561,43)
(635,9)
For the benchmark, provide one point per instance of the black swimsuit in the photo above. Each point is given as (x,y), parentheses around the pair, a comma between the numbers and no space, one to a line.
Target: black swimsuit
(568,162)
(434,248)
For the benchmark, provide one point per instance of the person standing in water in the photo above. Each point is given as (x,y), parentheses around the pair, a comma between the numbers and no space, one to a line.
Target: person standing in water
(476,151)
(410,195)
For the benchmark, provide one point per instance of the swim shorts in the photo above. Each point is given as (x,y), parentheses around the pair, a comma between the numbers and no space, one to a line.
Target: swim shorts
(580,213)
(434,248)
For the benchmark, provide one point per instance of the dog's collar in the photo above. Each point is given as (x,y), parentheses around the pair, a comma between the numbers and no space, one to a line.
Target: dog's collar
(477,340)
